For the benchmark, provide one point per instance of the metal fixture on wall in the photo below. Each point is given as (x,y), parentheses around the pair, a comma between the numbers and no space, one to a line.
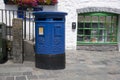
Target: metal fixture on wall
(73,25)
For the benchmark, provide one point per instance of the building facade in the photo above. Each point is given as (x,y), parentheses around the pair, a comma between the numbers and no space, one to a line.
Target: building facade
(90,24)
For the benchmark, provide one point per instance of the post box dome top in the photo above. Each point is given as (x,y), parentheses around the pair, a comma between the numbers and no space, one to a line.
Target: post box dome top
(49,13)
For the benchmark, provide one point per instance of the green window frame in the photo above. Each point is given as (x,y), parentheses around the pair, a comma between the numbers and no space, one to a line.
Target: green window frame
(97,28)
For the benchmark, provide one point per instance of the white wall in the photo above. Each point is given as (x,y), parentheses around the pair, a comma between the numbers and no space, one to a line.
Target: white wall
(70,7)
(2,4)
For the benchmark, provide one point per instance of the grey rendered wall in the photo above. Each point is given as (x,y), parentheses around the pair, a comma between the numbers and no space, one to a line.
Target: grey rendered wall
(119,33)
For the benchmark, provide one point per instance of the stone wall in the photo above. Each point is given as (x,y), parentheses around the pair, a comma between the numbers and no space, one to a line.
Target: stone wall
(98,9)
(98,47)
(17,44)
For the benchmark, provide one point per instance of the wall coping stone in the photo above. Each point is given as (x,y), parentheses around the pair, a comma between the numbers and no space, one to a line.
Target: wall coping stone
(98,9)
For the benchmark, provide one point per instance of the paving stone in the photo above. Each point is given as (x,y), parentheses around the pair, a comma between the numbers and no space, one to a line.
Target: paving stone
(100,62)
(27,73)
(4,74)
(114,72)
(2,78)
(21,78)
(16,73)
(42,77)
(9,78)
(47,77)
(32,77)
(15,69)
(114,77)
(97,77)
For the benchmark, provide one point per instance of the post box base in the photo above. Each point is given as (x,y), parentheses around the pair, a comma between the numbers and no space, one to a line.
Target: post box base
(50,61)
(3,60)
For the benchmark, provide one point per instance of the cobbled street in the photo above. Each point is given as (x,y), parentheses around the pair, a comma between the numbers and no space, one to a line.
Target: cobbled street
(80,65)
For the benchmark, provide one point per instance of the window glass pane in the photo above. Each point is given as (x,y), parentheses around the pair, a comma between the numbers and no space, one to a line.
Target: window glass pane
(87,25)
(111,39)
(87,38)
(79,38)
(102,25)
(94,39)
(102,19)
(80,25)
(100,32)
(101,39)
(114,18)
(114,29)
(87,32)
(87,18)
(108,38)
(108,19)
(108,28)
(80,18)
(80,31)
(94,25)
(94,18)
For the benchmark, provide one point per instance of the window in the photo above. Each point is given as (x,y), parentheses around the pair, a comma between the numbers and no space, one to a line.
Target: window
(96,28)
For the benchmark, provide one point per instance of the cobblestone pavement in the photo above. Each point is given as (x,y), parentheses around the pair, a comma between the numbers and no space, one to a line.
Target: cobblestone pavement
(80,65)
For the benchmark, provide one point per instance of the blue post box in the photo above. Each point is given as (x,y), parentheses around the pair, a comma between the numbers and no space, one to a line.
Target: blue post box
(50,40)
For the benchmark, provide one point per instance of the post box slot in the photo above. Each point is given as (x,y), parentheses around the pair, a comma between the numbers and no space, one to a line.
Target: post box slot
(57,19)
(41,19)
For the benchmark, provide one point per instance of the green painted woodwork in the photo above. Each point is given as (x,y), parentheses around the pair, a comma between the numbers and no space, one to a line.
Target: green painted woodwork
(97,28)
